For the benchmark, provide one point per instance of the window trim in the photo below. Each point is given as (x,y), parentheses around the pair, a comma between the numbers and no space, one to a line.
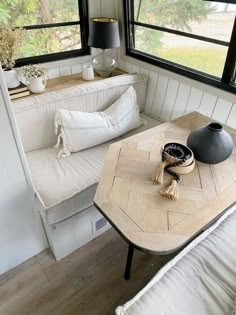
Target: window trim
(231,57)
(224,83)
(84,50)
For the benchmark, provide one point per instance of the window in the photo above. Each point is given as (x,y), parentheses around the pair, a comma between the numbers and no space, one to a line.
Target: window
(54,29)
(195,38)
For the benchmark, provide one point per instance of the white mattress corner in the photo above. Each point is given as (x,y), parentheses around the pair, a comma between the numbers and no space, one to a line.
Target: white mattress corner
(147,294)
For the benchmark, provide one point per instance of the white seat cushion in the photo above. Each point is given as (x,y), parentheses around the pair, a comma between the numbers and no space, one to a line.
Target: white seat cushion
(56,179)
(67,186)
(200,280)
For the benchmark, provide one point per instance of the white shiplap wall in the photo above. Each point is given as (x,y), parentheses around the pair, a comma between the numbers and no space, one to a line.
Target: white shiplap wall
(105,8)
(170,95)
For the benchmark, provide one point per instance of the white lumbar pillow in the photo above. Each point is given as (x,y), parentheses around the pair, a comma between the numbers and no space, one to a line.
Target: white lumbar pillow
(82,130)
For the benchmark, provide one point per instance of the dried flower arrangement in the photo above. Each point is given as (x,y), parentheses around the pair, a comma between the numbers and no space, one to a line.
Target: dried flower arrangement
(34,71)
(10,40)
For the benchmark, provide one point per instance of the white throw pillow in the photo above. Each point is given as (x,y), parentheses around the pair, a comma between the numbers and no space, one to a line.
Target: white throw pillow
(82,130)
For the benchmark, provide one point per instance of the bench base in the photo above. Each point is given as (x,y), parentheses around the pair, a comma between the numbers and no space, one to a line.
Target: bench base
(67,236)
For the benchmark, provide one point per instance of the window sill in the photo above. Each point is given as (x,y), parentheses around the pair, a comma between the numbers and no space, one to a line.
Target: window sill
(53,57)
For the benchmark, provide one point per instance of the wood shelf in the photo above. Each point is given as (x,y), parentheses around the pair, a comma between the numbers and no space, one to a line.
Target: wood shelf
(69,81)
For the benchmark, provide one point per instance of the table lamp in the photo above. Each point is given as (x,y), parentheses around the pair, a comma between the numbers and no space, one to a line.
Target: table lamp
(104,34)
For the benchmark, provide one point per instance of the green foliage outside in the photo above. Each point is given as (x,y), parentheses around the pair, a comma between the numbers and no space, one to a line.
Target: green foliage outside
(34,12)
(172,13)
(210,61)
(169,13)
(177,15)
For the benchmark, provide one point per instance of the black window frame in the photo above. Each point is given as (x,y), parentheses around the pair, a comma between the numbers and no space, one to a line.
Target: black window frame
(84,50)
(224,83)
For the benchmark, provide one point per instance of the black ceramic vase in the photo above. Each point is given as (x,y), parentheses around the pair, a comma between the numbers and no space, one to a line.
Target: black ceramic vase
(210,144)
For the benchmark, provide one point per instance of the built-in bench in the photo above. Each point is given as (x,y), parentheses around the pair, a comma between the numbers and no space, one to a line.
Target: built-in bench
(65,188)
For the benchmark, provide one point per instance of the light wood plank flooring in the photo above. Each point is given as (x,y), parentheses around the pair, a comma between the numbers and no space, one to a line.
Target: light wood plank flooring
(89,281)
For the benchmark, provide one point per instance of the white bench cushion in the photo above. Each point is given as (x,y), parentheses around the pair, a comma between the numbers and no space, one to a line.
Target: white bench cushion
(67,186)
(200,280)
(58,179)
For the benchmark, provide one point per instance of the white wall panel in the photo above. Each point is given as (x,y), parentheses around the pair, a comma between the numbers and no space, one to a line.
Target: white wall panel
(116,8)
(151,89)
(144,71)
(108,8)
(53,73)
(128,67)
(231,121)
(208,104)
(21,233)
(159,97)
(170,98)
(94,8)
(135,68)
(66,70)
(181,101)
(194,100)
(76,68)
(222,110)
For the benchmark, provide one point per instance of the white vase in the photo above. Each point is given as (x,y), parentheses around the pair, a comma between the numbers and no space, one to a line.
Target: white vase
(87,73)
(11,78)
(37,85)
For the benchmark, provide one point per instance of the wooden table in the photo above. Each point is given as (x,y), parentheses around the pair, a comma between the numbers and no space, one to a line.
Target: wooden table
(131,202)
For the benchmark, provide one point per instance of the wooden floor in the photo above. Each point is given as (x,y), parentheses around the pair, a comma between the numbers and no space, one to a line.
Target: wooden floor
(89,281)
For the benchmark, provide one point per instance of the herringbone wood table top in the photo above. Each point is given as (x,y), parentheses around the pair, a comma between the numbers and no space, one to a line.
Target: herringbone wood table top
(130,200)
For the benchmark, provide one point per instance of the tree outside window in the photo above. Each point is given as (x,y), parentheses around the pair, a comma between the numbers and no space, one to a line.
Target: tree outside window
(189,34)
(52,26)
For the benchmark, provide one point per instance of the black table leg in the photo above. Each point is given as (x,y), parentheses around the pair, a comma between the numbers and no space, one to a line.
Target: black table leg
(129,262)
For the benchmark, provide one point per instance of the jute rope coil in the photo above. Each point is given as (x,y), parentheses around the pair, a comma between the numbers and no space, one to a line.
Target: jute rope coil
(176,159)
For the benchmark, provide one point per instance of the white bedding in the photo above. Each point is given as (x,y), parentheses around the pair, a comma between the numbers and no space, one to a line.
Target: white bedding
(201,280)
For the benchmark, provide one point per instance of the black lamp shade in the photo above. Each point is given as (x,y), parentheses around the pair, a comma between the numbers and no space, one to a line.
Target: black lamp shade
(103,33)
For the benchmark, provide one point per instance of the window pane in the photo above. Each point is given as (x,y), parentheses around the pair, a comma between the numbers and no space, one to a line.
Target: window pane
(195,54)
(34,12)
(209,19)
(50,40)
